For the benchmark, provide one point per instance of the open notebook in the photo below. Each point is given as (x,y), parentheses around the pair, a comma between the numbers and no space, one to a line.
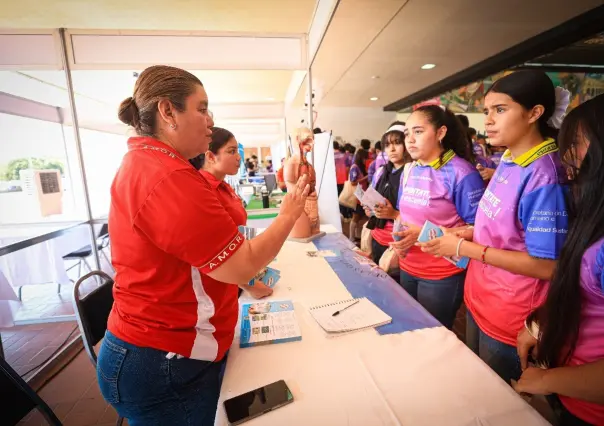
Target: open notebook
(362,315)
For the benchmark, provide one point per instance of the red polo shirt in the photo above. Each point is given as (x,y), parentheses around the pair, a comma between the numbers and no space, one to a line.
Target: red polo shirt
(227,197)
(168,229)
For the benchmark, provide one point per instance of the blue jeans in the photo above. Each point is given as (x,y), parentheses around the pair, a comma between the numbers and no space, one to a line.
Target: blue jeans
(442,298)
(501,357)
(148,389)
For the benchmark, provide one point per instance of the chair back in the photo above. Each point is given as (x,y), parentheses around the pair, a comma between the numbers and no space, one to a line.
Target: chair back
(92,311)
(104,230)
(18,398)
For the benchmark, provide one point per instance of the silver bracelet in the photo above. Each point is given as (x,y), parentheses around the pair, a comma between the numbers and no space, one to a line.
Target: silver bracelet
(461,240)
(529,329)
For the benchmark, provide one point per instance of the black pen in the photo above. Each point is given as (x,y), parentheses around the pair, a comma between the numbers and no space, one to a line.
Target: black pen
(343,309)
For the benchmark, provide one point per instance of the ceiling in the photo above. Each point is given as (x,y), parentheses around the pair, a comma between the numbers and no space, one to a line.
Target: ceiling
(372,48)
(392,39)
(231,86)
(585,56)
(257,16)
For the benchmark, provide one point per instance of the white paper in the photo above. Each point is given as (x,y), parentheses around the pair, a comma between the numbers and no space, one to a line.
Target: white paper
(372,197)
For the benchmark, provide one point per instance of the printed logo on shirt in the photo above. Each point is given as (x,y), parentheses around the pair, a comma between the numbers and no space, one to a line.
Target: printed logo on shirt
(543,217)
(416,196)
(221,257)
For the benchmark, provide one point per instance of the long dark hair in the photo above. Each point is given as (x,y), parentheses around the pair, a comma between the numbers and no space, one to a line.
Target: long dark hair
(395,137)
(360,158)
(559,318)
(456,137)
(220,137)
(530,88)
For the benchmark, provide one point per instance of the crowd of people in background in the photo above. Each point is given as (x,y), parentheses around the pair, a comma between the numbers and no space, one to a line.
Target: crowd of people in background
(524,203)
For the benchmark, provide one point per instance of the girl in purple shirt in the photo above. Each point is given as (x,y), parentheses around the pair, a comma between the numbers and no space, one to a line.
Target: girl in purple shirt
(570,325)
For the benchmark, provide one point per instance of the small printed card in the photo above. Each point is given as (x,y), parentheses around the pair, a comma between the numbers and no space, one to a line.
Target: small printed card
(268,276)
(431,231)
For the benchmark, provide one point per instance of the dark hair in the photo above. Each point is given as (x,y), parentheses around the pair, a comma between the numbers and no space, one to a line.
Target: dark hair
(342,148)
(559,318)
(378,146)
(255,157)
(464,120)
(350,148)
(365,144)
(220,137)
(152,85)
(530,88)
(336,145)
(360,158)
(472,132)
(456,137)
(397,123)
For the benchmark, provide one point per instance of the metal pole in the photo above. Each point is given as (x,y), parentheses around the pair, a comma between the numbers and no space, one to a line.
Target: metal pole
(310,105)
(78,141)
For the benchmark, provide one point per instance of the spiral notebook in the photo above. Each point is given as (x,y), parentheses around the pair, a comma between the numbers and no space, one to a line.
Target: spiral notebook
(357,317)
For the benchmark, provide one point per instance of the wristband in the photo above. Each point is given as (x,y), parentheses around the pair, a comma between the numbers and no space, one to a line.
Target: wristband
(461,240)
(484,253)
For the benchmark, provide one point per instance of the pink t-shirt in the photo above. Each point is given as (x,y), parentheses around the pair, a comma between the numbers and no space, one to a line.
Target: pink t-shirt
(341,167)
(447,195)
(590,342)
(523,209)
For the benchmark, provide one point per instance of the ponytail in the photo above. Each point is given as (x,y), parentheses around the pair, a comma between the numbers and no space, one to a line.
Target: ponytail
(456,138)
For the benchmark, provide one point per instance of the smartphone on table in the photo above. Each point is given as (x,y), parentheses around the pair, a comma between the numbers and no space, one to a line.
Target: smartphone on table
(252,404)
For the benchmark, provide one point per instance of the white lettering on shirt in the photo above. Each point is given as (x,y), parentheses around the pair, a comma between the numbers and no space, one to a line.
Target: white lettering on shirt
(226,252)
(489,204)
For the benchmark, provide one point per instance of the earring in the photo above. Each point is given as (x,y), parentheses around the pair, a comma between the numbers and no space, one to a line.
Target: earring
(173,126)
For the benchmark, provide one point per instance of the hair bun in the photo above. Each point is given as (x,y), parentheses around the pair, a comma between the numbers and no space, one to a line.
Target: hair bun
(128,112)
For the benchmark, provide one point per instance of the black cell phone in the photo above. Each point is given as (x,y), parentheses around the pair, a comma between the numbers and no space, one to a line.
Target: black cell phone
(252,404)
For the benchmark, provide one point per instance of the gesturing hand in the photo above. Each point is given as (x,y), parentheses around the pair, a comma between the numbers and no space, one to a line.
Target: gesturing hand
(293,202)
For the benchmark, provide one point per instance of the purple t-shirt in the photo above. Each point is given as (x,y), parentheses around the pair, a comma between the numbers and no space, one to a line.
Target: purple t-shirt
(446,195)
(485,162)
(348,157)
(523,209)
(479,149)
(590,341)
(381,160)
(496,157)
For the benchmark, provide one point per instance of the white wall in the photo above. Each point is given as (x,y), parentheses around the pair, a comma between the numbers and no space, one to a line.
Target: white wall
(476,120)
(351,124)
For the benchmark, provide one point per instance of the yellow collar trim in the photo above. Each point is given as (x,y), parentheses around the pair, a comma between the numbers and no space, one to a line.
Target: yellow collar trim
(437,164)
(546,147)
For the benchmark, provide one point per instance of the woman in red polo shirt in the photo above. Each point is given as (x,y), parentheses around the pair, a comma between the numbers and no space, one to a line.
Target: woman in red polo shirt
(221,159)
(174,246)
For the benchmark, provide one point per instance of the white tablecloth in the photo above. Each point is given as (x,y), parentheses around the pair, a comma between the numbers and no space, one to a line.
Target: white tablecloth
(424,377)
(41,263)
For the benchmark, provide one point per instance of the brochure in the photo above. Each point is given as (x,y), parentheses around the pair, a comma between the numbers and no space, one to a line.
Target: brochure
(264,323)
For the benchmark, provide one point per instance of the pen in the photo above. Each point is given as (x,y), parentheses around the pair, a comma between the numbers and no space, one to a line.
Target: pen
(343,309)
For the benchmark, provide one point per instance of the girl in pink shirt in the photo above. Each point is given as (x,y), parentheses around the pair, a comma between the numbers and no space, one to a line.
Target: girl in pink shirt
(521,224)
(570,325)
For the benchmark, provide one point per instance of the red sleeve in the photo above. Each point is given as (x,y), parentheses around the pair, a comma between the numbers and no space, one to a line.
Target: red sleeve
(183,217)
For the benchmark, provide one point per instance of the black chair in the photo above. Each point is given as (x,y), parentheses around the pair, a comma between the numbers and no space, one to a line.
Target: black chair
(19,399)
(92,312)
(82,254)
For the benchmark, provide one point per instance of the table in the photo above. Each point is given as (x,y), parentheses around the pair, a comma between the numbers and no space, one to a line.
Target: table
(420,377)
(42,245)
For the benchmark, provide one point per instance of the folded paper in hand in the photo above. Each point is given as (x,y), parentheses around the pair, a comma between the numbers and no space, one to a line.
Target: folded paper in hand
(372,197)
